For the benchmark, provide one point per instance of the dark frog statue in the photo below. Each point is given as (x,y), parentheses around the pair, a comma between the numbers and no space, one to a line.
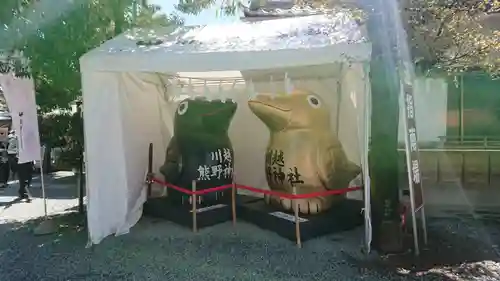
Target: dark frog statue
(200,149)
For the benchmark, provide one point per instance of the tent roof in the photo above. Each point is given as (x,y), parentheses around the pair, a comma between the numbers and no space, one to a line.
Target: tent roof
(288,42)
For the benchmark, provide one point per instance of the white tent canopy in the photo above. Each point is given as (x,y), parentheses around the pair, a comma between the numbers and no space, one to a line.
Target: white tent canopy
(130,93)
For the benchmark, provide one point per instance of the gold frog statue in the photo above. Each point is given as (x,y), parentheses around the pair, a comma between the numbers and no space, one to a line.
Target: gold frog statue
(303,151)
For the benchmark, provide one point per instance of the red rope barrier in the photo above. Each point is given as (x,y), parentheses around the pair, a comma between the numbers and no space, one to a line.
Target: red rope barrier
(189,192)
(328,192)
(258,190)
(265,191)
(166,184)
(213,189)
(299,196)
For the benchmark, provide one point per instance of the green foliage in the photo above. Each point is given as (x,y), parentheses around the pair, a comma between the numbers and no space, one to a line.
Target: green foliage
(194,7)
(54,46)
(62,130)
(46,42)
(55,128)
(151,16)
(450,36)
(454,36)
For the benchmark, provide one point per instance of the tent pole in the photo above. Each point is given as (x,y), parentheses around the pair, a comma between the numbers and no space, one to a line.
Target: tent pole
(339,101)
(43,189)
(461,109)
(150,169)
(363,130)
(47,226)
(81,188)
(366,172)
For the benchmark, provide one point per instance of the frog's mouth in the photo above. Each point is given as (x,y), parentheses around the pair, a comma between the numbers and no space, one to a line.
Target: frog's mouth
(256,103)
(219,110)
(274,116)
(215,112)
(229,105)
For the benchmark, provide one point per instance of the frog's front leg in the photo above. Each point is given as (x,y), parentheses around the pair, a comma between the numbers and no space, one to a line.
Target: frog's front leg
(173,162)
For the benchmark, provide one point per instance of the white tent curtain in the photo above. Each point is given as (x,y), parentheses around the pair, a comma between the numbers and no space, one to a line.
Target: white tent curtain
(107,188)
(140,110)
(130,92)
(365,126)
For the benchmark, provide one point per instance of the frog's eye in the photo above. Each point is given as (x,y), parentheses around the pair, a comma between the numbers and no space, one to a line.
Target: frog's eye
(313,101)
(183,107)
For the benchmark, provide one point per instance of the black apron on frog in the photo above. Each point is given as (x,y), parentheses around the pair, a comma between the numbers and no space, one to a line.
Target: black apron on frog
(209,162)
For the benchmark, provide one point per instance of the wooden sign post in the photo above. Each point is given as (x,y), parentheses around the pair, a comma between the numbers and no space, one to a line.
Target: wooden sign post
(413,163)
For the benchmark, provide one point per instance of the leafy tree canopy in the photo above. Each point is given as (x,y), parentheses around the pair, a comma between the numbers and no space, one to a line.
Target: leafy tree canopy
(46,42)
(454,36)
(449,35)
(50,39)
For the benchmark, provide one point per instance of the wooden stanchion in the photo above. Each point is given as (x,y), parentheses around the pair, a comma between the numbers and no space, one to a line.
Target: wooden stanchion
(193,204)
(150,169)
(233,202)
(297,221)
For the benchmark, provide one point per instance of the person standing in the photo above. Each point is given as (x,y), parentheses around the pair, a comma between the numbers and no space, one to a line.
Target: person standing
(25,175)
(24,171)
(4,165)
(12,153)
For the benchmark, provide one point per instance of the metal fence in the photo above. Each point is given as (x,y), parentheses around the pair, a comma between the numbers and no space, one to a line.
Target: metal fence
(468,166)
(471,161)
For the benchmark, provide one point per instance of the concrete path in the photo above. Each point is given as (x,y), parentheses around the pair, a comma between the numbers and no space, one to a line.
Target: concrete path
(60,188)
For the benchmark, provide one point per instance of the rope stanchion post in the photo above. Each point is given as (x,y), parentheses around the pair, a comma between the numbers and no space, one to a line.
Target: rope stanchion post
(193,204)
(195,194)
(297,221)
(150,169)
(233,202)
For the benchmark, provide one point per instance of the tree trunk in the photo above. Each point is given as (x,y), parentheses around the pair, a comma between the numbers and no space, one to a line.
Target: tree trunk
(384,162)
(47,160)
(385,86)
(119,15)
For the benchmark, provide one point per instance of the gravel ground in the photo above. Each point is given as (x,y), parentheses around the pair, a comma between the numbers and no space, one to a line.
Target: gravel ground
(460,248)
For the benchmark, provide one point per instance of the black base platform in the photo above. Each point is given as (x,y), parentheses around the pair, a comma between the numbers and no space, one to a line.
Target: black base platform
(344,216)
(208,214)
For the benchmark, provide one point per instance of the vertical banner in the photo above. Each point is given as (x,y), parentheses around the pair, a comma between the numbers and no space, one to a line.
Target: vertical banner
(413,163)
(20,96)
(412,154)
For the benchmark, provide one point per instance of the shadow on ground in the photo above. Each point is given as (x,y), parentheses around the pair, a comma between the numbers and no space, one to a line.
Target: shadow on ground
(458,248)
(59,185)
(159,250)
(10,201)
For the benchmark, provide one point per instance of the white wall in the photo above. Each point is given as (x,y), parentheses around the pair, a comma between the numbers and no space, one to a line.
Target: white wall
(431,102)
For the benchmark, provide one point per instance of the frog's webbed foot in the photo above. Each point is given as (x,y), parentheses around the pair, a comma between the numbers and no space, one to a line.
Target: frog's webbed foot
(308,206)
(313,205)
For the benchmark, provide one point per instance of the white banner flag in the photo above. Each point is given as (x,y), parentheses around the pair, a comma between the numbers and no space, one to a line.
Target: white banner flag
(20,96)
